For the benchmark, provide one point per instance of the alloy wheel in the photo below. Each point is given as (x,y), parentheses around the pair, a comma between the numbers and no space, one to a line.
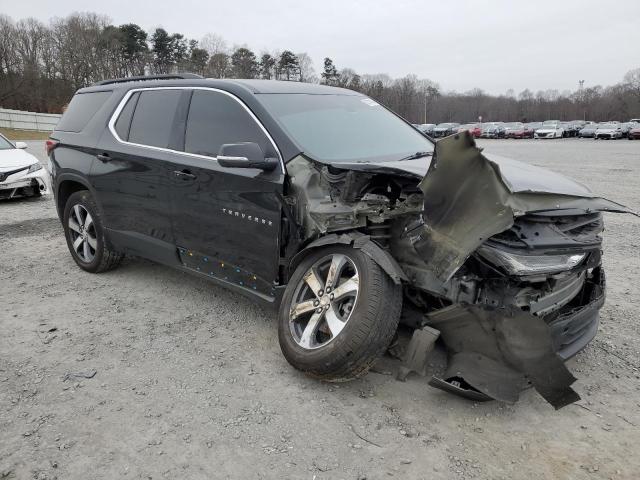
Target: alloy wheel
(83,233)
(324,301)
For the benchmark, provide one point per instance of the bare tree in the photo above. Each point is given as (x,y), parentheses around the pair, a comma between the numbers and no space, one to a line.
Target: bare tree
(307,72)
(213,43)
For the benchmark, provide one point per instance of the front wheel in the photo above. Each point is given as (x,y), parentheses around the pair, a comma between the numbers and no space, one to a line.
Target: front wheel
(338,314)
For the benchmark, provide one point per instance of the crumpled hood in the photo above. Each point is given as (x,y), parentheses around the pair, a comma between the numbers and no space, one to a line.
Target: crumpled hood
(15,158)
(517,176)
(522,177)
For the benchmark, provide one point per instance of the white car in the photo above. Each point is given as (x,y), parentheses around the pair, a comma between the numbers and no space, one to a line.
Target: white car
(549,130)
(608,131)
(21,174)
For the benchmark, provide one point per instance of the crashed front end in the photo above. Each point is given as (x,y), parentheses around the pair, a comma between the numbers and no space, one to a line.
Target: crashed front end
(499,259)
(23,181)
(523,302)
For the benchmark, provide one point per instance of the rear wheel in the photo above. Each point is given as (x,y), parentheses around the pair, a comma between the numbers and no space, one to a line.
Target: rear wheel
(85,234)
(339,313)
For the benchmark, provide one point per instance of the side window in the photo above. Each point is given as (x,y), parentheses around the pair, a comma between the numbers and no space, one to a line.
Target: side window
(152,120)
(215,119)
(123,123)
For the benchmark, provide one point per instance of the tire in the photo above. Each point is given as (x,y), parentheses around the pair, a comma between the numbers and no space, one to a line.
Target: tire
(83,227)
(364,333)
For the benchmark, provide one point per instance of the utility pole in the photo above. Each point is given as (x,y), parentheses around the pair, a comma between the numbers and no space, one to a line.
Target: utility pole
(425,108)
(584,111)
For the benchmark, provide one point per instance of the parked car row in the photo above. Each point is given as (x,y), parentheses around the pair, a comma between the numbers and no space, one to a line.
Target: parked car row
(611,130)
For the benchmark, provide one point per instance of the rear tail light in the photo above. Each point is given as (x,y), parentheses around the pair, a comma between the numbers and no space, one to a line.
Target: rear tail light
(49,145)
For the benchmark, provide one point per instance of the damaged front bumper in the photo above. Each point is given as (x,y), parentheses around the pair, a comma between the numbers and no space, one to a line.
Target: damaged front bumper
(497,352)
(22,183)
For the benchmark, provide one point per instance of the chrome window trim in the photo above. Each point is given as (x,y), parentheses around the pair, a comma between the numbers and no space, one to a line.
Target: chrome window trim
(125,99)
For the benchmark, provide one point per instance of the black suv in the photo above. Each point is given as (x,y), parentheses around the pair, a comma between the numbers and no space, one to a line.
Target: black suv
(321,201)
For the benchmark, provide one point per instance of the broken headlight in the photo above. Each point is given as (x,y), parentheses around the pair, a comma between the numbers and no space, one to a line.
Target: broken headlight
(517,264)
(34,168)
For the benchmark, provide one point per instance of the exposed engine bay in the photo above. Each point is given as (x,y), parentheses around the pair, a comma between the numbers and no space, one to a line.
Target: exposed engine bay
(500,260)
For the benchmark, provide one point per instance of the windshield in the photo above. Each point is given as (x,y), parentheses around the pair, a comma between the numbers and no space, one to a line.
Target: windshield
(608,125)
(344,128)
(514,125)
(5,144)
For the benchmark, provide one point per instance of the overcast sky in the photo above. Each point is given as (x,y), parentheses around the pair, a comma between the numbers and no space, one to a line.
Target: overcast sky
(493,45)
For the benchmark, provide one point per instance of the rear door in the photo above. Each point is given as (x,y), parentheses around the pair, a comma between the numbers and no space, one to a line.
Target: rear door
(226,221)
(134,171)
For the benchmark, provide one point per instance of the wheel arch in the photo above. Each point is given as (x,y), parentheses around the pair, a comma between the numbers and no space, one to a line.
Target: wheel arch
(359,241)
(66,185)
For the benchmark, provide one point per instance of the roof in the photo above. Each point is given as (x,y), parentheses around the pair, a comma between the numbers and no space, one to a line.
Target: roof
(283,86)
(252,86)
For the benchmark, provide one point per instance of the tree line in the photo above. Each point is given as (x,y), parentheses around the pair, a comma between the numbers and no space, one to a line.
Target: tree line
(41,66)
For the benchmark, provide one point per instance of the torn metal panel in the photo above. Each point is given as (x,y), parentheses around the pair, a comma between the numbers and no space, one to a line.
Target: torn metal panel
(498,350)
(468,198)
(418,351)
(330,199)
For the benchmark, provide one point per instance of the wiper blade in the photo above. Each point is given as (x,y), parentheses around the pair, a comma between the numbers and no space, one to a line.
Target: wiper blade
(415,156)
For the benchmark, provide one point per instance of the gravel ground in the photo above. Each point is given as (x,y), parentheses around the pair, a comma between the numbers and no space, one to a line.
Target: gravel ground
(190,382)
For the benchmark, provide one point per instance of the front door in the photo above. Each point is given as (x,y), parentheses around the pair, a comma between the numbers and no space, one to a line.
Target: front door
(226,221)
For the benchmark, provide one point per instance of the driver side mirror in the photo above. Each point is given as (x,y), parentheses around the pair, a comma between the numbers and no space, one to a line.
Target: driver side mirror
(245,155)
(21,145)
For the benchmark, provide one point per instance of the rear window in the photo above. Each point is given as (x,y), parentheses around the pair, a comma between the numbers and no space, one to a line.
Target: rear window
(153,119)
(81,109)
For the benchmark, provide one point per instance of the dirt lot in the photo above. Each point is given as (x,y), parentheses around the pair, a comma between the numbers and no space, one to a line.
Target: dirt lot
(190,381)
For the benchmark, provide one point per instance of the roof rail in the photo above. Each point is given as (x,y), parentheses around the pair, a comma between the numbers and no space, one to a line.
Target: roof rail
(166,76)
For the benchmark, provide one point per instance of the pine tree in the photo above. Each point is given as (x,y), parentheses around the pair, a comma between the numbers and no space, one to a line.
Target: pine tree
(288,66)
(244,63)
(267,66)
(330,74)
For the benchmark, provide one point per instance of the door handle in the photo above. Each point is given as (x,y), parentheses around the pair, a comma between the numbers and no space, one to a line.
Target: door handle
(184,174)
(103,157)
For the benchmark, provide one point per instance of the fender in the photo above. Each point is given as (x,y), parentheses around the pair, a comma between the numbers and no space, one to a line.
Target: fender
(77,178)
(362,242)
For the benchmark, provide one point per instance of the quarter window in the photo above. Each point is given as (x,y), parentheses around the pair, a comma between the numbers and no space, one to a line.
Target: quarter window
(124,120)
(81,109)
(215,119)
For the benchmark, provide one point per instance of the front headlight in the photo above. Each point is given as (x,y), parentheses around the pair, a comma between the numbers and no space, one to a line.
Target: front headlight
(35,167)
(517,264)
